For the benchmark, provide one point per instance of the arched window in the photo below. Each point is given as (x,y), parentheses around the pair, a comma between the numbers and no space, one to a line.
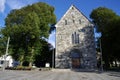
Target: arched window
(75,38)
(72,38)
(65,22)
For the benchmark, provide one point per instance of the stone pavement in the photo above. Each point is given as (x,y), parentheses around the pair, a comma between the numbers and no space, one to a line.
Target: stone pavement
(57,75)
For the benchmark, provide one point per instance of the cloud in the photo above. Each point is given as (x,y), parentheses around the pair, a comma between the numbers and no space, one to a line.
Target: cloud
(52,42)
(15,4)
(52,38)
(31,1)
(2,5)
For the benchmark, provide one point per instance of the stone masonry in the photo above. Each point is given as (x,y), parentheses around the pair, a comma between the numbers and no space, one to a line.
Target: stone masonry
(75,43)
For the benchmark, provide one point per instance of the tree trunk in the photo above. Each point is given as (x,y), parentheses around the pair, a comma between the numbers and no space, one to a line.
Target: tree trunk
(115,63)
(107,65)
(30,64)
(21,60)
(31,59)
(21,63)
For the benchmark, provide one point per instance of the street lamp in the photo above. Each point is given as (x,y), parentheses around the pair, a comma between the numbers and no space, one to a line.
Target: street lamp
(53,58)
(6,54)
(101,56)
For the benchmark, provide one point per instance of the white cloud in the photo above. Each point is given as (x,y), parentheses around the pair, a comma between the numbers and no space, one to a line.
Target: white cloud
(52,42)
(52,38)
(15,4)
(31,1)
(2,5)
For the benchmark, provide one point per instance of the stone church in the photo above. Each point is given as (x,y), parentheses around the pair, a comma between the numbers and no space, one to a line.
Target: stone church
(75,43)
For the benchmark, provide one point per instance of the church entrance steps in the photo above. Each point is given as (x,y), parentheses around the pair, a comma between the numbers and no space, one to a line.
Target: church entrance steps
(84,70)
(75,70)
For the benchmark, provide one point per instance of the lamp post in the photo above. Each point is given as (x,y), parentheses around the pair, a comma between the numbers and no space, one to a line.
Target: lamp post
(101,66)
(6,54)
(53,58)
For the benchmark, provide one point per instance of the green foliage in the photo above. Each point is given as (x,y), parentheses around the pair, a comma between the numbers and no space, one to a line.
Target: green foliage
(113,35)
(101,17)
(2,45)
(45,56)
(108,23)
(27,28)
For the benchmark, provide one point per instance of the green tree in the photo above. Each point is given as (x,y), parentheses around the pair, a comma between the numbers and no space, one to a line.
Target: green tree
(114,39)
(107,22)
(27,27)
(45,56)
(101,17)
(2,45)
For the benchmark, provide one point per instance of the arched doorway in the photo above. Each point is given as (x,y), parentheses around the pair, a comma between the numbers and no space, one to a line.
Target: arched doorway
(75,62)
(75,59)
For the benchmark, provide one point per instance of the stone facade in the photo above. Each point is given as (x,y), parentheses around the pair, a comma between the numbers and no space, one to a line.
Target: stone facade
(75,45)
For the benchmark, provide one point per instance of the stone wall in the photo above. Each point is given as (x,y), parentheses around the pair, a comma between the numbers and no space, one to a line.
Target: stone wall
(75,22)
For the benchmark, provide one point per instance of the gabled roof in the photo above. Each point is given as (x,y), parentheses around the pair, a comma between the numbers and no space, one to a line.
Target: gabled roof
(71,7)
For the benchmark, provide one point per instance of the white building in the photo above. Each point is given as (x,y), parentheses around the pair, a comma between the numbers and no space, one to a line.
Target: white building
(8,60)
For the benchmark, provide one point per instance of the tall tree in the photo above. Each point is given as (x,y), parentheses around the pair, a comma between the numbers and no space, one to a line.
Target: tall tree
(2,45)
(101,17)
(45,56)
(114,36)
(107,22)
(27,27)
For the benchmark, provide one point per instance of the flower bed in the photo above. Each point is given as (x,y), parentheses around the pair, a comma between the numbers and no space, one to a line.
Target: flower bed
(19,68)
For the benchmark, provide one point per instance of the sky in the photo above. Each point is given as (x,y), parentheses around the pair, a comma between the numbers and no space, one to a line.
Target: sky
(61,6)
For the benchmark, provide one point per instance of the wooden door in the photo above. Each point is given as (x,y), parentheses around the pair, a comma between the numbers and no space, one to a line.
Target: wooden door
(75,63)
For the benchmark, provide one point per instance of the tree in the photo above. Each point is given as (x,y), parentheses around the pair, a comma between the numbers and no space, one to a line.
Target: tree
(27,27)
(108,23)
(2,45)
(45,56)
(101,17)
(114,35)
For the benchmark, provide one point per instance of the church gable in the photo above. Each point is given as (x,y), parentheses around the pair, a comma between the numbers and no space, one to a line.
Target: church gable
(73,16)
(72,28)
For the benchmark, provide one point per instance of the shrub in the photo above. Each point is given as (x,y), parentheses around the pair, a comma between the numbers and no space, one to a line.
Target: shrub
(19,68)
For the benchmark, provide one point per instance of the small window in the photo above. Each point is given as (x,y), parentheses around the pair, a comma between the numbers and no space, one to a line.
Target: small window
(79,21)
(73,21)
(65,22)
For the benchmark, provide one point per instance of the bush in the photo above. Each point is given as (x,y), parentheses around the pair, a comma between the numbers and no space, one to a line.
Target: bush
(18,68)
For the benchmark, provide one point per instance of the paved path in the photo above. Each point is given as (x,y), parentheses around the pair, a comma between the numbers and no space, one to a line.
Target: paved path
(57,75)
